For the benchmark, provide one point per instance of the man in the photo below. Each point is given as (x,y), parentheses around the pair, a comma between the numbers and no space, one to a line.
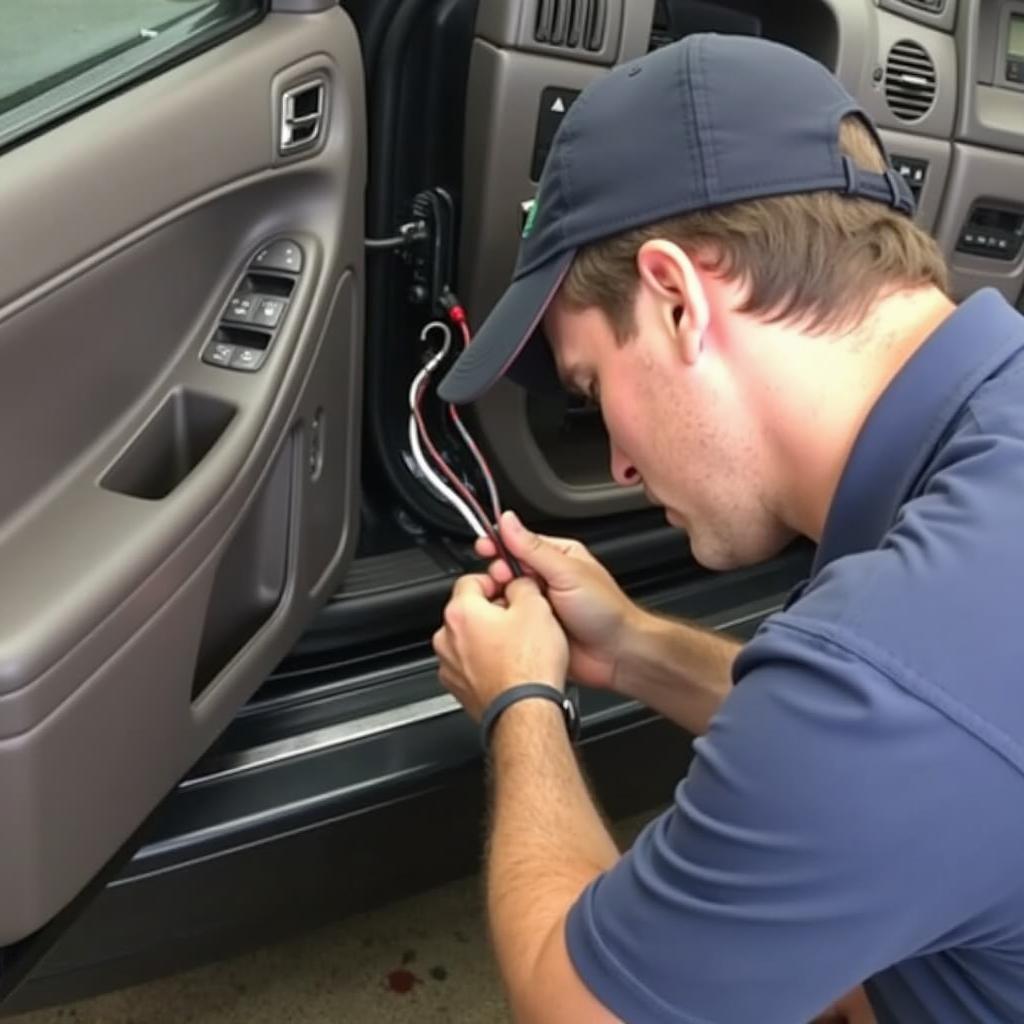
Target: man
(722,259)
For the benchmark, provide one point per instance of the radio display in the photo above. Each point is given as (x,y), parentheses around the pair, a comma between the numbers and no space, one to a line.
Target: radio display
(1015,45)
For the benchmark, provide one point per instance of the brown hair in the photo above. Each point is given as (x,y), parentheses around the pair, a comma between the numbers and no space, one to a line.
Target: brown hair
(818,259)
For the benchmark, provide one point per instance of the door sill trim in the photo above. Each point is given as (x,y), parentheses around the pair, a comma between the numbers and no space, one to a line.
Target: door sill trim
(325,738)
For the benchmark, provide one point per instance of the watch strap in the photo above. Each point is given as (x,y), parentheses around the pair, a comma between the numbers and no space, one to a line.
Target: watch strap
(528,691)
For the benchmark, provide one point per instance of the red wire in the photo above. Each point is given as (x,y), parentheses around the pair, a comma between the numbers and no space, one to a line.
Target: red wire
(458,316)
(477,454)
(462,490)
(463,323)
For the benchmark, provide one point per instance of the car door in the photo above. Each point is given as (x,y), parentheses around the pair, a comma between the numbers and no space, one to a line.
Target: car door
(181,215)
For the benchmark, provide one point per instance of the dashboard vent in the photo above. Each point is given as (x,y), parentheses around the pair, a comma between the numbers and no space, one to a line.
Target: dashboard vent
(572,24)
(910,82)
(932,6)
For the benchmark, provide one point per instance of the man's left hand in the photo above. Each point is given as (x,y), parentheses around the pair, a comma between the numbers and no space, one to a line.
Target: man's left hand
(491,642)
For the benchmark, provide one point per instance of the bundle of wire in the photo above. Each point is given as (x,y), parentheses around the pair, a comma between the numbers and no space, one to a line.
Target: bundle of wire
(451,488)
(455,492)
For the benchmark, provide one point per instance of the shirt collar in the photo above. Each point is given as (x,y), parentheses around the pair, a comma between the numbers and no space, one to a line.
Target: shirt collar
(909,419)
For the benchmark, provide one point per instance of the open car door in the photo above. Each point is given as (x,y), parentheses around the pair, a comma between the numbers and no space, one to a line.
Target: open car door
(181,215)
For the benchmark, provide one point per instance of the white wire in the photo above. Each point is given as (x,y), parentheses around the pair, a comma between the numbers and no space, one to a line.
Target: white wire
(439,485)
(443,351)
(414,438)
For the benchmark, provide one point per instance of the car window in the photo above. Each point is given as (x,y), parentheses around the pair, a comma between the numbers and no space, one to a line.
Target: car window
(59,55)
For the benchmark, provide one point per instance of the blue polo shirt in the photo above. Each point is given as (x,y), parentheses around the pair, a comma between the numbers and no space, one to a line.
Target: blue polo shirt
(856,809)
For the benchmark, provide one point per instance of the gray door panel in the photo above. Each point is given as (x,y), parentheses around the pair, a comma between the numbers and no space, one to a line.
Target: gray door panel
(167,526)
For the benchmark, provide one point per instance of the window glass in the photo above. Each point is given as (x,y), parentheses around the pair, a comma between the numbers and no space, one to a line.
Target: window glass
(56,55)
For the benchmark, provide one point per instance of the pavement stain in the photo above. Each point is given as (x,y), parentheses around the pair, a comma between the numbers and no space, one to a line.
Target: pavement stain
(401,981)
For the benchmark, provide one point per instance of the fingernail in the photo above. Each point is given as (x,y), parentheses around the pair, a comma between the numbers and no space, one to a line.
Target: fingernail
(513,520)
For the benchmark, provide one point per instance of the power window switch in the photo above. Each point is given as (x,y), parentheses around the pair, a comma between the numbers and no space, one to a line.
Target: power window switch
(268,312)
(245,358)
(218,354)
(240,309)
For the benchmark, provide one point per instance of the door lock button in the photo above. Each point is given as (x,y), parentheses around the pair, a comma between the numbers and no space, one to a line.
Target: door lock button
(268,311)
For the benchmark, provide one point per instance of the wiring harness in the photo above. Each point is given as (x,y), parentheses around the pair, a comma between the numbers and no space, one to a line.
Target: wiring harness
(431,463)
(441,477)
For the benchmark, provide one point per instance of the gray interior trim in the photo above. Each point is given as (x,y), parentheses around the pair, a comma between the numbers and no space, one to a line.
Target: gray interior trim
(171,525)
(980,174)
(129,195)
(509,24)
(943,19)
(636,29)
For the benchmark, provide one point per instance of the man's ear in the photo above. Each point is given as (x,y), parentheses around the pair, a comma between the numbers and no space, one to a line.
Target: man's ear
(672,278)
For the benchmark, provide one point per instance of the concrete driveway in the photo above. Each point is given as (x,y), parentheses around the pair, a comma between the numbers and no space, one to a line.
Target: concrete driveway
(425,960)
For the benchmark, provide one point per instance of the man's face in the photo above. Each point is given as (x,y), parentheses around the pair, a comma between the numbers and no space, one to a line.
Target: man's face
(678,426)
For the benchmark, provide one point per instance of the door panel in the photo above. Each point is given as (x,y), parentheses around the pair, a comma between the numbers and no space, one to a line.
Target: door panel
(167,526)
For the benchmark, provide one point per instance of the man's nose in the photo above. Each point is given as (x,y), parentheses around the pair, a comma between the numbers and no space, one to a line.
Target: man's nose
(624,473)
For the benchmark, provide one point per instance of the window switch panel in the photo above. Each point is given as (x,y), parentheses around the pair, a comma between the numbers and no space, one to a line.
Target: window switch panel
(250,320)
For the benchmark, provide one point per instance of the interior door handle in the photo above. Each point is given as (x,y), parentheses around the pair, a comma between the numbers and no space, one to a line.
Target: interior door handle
(303,114)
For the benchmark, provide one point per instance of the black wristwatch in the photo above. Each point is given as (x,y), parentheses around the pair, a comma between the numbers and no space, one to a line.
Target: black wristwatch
(526,691)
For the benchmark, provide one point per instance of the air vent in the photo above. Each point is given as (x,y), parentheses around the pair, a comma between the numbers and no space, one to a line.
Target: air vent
(932,6)
(909,81)
(572,24)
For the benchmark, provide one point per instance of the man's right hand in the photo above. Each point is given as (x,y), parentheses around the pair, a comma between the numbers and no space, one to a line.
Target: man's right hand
(595,614)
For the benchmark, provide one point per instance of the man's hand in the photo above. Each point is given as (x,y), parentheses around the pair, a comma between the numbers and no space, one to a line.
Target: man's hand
(595,613)
(490,643)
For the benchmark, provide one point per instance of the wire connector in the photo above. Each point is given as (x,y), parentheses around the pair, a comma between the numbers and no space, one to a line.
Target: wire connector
(452,307)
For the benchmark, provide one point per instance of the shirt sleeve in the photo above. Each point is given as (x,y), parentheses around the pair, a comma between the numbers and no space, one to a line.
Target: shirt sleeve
(810,845)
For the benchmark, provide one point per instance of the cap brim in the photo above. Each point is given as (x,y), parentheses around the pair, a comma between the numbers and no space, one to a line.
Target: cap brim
(502,345)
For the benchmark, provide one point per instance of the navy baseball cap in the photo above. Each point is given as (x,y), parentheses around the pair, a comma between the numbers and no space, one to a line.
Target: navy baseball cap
(702,122)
